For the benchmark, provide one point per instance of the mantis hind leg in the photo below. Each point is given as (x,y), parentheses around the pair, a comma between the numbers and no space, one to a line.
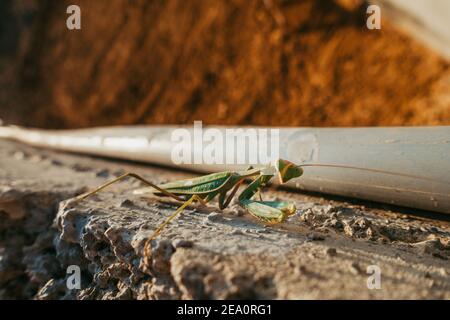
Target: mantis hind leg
(168,220)
(147,247)
(120,178)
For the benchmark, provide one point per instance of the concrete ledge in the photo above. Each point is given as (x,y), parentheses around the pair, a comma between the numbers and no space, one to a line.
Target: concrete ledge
(321,252)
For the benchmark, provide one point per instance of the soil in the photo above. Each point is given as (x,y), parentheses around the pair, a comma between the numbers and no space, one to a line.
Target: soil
(283,63)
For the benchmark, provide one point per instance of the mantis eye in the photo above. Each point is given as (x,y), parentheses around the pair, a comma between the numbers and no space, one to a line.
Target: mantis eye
(287,170)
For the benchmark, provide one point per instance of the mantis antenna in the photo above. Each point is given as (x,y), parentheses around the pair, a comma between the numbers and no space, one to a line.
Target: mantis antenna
(371,170)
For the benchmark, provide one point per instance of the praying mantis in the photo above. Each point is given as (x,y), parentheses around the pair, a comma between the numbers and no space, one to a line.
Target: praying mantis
(225,185)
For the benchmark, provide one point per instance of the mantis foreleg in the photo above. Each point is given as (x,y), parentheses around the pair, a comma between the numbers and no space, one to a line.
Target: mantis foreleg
(268,211)
(254,187)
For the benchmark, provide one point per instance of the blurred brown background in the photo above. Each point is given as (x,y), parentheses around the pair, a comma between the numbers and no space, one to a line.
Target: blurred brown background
(261,62)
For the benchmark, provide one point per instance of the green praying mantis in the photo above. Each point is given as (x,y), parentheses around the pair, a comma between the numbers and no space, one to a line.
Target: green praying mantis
(224,185)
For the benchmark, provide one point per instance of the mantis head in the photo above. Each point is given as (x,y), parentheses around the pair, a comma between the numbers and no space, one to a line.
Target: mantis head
(287,170)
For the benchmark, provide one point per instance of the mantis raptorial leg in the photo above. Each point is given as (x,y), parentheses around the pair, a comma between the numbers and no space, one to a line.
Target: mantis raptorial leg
(224,203)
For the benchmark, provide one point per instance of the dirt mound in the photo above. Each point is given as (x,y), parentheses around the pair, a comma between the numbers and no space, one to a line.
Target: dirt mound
(305,63)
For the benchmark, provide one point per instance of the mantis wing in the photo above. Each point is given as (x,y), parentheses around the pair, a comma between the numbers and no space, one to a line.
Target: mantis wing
(199,185)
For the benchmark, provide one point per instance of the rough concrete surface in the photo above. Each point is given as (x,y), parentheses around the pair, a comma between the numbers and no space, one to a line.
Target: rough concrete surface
(321,252)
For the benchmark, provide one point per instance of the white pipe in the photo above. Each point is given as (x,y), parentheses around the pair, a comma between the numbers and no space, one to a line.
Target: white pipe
(419,151)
